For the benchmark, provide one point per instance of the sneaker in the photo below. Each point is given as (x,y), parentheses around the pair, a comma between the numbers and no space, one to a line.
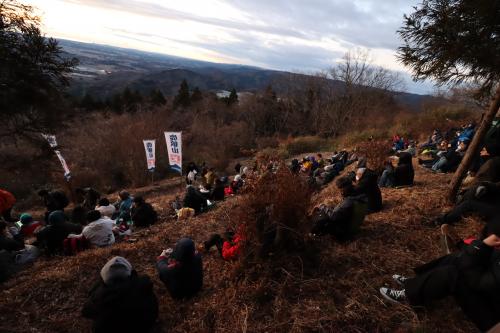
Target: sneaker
(393,295)
(400,279)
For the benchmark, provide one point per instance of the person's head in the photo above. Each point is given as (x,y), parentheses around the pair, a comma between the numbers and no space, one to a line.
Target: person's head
(124,195)
(359,173)
(116,270)
(462,145)
(320,156)
(57,217)
(103,202)
(138,201)
(93,215)
(184,250)
(25,219)
(344,184)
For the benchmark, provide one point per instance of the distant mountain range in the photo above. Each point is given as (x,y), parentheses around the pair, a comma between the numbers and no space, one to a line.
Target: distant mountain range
(105,70)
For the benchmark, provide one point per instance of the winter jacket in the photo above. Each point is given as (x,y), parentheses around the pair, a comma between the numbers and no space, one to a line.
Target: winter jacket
(55,200)
(368,186)
(404,173)
(7,201)
(195,200)
(10,244)
(144,215)
(128,306)
(232,249)
(489,171)
(28,230)
(183,273)
(100,233)
(52,236)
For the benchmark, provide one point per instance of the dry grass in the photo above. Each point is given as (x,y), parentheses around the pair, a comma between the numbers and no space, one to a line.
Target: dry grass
(337,291)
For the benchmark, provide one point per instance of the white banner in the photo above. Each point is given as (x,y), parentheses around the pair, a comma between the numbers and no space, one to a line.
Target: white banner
(51,139)
(174,146)
(149,146)
(67,173)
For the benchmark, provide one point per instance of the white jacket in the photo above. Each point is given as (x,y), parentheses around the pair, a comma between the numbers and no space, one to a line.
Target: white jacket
(100,233)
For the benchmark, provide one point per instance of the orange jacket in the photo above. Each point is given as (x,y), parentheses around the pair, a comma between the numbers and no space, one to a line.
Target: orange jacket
(7,200)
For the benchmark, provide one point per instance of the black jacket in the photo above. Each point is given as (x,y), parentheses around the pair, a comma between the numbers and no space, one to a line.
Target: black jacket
(183,274)
(194,200)
(125,307)
(404,173)
(144,215)
(10,244)
(52,236)
(56,200)
(368,186)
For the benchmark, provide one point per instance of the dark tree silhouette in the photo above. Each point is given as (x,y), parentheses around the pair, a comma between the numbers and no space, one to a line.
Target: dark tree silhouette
(33,73)
(183,97)
(156,98)
(233,97)
(197,95)
(454,41)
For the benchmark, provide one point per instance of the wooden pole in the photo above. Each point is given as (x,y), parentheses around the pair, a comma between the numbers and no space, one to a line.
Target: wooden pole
(474,148)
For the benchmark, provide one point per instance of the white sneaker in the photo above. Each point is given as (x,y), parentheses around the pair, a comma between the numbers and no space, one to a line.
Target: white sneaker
(393,295)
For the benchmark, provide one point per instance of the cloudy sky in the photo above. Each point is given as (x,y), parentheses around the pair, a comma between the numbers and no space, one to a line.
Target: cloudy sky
(294,35)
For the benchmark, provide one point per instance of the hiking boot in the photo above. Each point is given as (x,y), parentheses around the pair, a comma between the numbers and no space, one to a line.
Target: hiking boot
(400,279)
(393,295)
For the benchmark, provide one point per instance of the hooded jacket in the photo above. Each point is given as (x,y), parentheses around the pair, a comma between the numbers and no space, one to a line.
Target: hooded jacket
(52,236)
(183,273)
(404,173)
(194,200)
(124,306)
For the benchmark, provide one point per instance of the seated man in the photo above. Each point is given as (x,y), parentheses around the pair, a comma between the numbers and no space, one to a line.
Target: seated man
(217,193)
(28,226)
(194,199)
(123,207)
(482,199)
(54,201)
(182,273)
(143,214)
(121,301)
(99,231)
(105,208)
(344,220)
(88,197)
(52,236)
(366,183)
(230,246)
(471,276)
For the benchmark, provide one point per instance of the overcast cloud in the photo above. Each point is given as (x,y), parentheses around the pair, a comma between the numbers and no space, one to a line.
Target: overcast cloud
(295,35)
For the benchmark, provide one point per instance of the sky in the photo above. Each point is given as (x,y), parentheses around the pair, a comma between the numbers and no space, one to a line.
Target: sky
(292,35)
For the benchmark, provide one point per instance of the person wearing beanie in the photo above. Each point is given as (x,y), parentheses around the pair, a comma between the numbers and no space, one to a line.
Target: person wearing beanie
(471,276)
(105,208)
(99,230)
(52,236)
(182,271)
(143,214)
(121,301)
(28,226)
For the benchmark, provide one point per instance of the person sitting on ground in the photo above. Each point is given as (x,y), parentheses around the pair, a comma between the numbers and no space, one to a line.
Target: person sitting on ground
(230,246)
(450,161)
(88,197)
(218,190)
(121,301)
(193,199)
(210,178)
(105,208)
(28,226)
(182,271)
(402,175)
(471,276)
(344,220)
(17,253)
(7,241)
(79,215)
(143,214)
(489,171)
(52,236)
(366,183)
(320,161)
(482,199)
(54,201)
(99,230)
(123,206)
(7,201)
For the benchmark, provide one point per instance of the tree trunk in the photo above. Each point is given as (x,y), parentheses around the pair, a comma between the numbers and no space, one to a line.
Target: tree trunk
(474,147)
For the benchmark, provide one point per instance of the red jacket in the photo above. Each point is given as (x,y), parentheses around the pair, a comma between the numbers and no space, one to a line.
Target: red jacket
(231,250)
(29,230)
(7,200)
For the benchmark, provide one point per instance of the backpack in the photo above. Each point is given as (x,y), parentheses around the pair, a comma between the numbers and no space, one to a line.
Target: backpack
(492,138)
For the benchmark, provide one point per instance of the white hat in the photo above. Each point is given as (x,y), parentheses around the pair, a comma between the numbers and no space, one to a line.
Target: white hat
(116,268)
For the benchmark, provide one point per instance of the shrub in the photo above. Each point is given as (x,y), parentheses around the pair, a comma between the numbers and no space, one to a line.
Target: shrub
(308,144)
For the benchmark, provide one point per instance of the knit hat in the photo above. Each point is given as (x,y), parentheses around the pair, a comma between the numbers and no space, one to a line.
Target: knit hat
(57,217)
(26,218)
(118,268)
(184,250)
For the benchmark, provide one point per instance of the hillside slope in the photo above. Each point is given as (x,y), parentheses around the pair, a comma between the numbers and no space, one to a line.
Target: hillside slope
(341,294)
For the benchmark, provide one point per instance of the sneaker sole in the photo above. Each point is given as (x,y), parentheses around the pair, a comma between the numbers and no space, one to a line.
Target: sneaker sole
(388,298)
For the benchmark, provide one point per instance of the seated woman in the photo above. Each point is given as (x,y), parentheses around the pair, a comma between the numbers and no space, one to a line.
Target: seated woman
(344,220)
(143,214)
(182,271)
(471,276)
(121,301)
(230,246)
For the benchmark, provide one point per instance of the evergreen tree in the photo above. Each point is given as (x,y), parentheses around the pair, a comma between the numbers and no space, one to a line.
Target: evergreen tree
(156,98)
(183,97)
(197,95)
(233,97)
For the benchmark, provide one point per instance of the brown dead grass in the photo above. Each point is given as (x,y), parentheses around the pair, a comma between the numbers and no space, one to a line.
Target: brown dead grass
(338,292)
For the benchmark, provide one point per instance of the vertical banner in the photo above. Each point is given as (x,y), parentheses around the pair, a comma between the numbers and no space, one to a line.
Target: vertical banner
(149,146)
(174,146)
(51,139)
(67,173)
